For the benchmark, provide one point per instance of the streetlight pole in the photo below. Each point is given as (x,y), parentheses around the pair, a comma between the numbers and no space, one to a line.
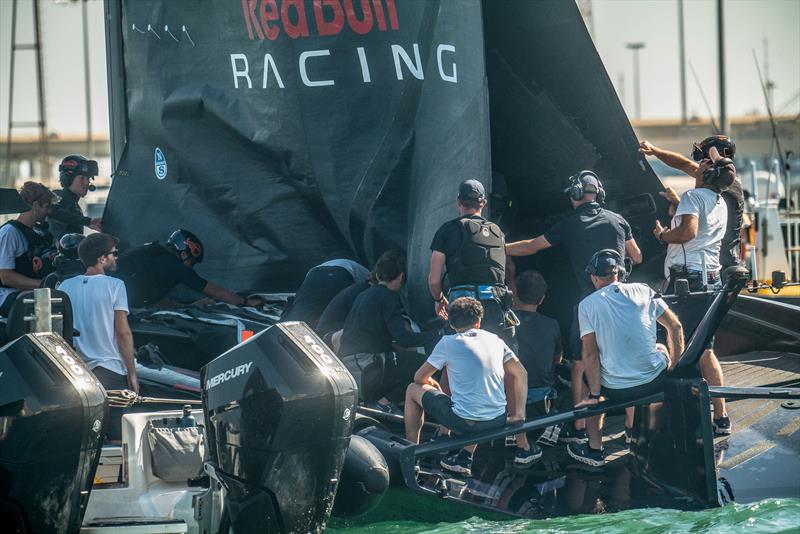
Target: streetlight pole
(635,47)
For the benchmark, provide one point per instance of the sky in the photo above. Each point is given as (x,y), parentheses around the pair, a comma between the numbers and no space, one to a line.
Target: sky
(615,23)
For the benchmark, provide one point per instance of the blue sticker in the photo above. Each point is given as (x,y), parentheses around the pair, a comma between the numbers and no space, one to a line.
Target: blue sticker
(161,164)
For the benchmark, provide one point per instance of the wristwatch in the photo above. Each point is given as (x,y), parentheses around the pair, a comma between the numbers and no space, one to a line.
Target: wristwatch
(661,235)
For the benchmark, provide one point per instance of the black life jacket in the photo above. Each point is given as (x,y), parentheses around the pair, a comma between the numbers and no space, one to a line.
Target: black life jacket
(482,256)
(40,246)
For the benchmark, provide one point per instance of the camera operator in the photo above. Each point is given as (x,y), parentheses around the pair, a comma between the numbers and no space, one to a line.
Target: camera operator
(693,249)
(733,195)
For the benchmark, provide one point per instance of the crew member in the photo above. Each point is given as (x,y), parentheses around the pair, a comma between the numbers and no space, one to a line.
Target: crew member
(618,331)
(150,271)
(375,325)
(693,247)
(588,229)
(480,368)
(539,339)
(321,284)
(74,174)
(25,246)
(100,313)
(472,250)
(733,196)
(66,263)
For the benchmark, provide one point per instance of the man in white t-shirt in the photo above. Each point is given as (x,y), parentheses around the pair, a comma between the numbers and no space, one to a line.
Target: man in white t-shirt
(620,353)
(694,241)
(100,314)
(478,363)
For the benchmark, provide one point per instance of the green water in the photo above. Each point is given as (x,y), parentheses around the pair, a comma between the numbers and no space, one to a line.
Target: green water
(771,516)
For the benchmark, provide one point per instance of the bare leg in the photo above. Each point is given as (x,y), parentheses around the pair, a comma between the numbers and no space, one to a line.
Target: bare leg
(578,393)
(414,415)
(594,427)
(629,416)
(712,372)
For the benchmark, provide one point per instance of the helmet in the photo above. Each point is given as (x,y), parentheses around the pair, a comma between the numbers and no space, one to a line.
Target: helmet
(75,165)
(585,182)
(185,241)
(68,245)
(724,145)
(605,262)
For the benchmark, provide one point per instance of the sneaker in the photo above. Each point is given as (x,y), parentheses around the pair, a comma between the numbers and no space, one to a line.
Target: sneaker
(523,457)
(587,455)
(569,434)
(722,426)
(460,463)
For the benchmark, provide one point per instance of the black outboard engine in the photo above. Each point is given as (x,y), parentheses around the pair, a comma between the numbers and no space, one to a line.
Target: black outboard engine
(52,413)
(279,412)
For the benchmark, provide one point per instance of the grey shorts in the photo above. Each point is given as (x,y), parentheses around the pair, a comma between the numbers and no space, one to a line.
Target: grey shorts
(439,406)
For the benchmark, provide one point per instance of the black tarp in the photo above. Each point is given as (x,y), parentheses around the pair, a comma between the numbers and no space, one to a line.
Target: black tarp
(278,179)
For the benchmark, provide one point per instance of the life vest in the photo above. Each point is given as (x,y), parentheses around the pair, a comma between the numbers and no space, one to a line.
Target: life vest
(37,261)
(482,256)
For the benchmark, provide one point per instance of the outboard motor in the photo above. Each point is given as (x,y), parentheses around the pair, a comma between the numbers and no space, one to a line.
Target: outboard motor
(279,411)
(52,412)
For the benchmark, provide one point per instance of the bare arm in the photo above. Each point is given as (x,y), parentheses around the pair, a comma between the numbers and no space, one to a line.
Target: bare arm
(124,337)
(674,335)
(424,374)
(673,159)
(517,378)
(438,260)
(591,362)
(683,233)
(632,251)
(10,278)
(220,293)
(527,246)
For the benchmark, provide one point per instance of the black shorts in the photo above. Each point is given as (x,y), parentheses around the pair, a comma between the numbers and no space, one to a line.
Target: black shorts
(635,392)
(439,406)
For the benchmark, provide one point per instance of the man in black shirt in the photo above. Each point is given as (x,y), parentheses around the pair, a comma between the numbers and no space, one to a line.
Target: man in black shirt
(376,324)
(472,251)
(150,271)
(539,340)
(74,174)
(733,196)
(589,229)
(335,313)
(539,336)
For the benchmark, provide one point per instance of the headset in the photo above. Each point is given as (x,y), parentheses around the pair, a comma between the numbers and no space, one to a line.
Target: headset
(575,190)
(599,263)
(76,165)
(724,145)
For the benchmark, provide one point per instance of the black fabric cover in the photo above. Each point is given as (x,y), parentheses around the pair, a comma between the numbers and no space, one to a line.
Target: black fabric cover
(276,180)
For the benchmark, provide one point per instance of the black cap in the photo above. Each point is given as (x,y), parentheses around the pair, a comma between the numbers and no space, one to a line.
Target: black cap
(471,190)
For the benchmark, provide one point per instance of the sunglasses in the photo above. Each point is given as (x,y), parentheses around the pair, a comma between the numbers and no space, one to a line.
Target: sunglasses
(114,253)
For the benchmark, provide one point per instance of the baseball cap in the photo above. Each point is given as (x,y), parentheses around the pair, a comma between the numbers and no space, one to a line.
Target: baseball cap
(471,190)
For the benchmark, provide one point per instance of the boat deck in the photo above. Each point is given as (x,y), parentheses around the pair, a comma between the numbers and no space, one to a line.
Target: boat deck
(761,456)
(762,453)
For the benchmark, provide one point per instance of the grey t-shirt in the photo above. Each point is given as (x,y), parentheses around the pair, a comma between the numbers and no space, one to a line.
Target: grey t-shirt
(474,361)
(623,318)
